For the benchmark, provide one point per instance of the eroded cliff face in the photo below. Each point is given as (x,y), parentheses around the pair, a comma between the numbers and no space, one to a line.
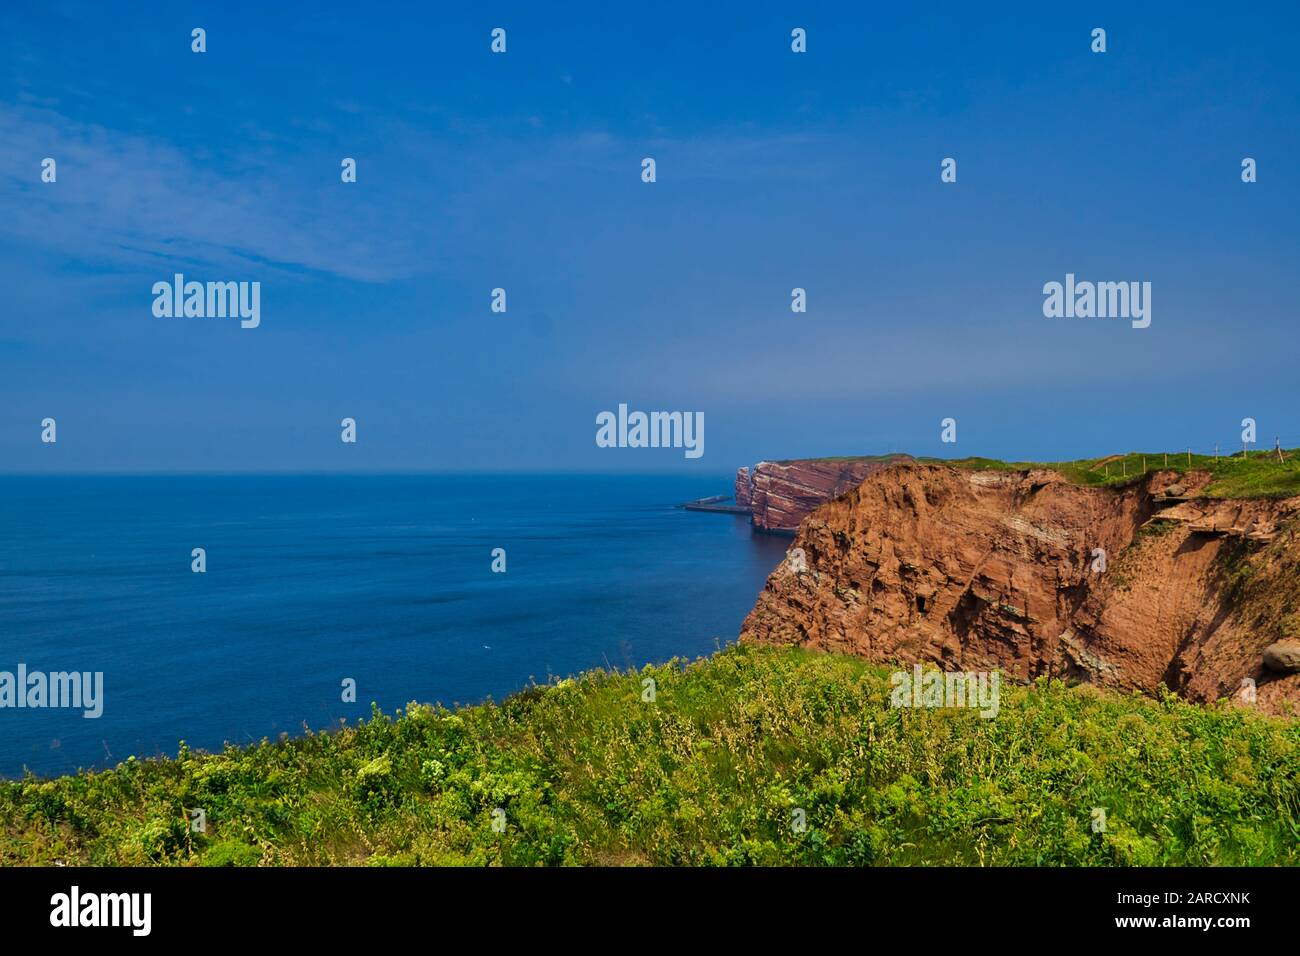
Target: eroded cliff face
(782,493)
(743,485)
(975,570)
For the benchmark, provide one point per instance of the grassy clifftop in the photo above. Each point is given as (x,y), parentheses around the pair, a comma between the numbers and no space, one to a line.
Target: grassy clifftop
(1259,474)
(711,772)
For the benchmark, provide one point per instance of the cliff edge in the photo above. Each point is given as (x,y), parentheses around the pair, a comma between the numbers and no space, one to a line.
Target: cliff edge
(975,570)
(780,494)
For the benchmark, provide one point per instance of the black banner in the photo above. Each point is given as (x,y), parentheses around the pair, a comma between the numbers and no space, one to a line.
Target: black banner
(341,905)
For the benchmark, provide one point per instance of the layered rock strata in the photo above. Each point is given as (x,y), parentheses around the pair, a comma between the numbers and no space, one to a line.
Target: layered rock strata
(975,570)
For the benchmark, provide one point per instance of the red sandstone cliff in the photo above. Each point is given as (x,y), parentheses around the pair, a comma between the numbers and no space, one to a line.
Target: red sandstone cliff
(976,570)
(743,485)
(782,493)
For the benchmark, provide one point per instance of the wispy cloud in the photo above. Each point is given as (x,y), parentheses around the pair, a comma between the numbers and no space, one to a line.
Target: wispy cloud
(133,201)
(126,199)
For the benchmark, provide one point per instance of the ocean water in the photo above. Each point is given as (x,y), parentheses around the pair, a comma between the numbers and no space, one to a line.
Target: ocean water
(312,579)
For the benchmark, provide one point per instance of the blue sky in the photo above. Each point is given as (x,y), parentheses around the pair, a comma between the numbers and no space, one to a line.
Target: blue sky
(522,170)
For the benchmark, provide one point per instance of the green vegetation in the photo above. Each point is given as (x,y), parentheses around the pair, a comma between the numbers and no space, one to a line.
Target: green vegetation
(711,772)
(1259,474)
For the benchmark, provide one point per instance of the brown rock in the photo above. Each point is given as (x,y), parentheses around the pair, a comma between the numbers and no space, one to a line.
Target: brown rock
(782,493)
(743,486)
(976,570)
(1283,656)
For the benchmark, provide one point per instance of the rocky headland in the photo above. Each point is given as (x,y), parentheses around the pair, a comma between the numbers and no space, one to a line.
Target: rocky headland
(780,494)
(982,569)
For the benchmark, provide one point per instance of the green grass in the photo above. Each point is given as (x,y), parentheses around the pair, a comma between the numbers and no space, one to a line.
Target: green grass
(1259,474)
(709,773)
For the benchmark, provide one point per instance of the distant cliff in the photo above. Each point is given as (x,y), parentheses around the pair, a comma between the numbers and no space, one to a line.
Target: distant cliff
(780,494)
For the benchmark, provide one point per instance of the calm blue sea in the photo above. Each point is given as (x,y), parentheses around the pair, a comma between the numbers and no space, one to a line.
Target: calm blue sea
(313,579)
